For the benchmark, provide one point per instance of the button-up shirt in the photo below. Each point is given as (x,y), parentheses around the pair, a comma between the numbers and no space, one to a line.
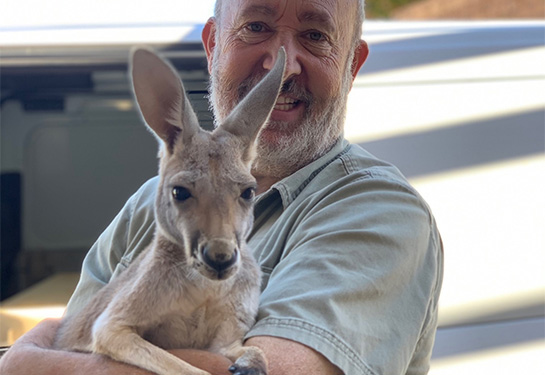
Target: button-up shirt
(351,257)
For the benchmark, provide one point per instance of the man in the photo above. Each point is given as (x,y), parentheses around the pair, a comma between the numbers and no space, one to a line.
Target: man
(351,255)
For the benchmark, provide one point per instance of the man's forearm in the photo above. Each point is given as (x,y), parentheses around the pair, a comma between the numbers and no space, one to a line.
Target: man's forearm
(290,357)
(30,359)
(32,355)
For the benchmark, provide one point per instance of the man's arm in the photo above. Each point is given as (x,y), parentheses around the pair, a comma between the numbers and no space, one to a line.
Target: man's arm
(31,354)
(355,273)
(290,357)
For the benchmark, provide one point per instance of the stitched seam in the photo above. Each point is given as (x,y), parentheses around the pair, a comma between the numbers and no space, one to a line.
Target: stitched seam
(316,172)
(348,164)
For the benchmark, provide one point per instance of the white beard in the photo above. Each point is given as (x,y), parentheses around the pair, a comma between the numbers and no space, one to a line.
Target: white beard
(312,137)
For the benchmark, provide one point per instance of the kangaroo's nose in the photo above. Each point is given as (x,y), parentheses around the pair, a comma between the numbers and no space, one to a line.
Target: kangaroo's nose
(219,260)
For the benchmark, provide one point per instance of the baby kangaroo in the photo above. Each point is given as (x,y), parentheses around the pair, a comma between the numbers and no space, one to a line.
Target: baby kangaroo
(196,285)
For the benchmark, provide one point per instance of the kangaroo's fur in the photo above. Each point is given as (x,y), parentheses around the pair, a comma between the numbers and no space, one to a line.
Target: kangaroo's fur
(196,285)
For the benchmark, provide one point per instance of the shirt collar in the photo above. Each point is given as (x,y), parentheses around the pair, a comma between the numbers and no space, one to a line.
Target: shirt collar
(290,187)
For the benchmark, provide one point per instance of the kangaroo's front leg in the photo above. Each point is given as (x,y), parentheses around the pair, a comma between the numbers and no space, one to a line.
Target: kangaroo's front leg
(116,332)
(122,343)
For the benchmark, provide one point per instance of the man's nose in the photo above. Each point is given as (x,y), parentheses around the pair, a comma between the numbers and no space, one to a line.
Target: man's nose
(293,61)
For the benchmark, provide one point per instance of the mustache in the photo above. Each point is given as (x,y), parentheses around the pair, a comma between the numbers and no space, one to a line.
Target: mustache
(291,88)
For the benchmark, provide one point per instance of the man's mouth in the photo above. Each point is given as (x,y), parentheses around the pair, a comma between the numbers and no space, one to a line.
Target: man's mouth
(285,103)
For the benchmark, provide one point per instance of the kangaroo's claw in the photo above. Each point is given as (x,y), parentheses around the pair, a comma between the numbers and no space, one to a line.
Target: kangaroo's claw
(238,370)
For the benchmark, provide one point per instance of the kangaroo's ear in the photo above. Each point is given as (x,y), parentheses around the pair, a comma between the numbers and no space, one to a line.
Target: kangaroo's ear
(161,98)
(254,110)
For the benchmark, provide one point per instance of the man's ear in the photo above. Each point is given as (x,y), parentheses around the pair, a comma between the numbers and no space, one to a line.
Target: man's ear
(209,40)
(362,51)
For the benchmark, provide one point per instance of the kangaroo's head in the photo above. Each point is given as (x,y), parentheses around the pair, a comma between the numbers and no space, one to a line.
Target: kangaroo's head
(205,199)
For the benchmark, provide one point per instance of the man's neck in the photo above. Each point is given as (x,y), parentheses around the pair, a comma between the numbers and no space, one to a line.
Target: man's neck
(264,183)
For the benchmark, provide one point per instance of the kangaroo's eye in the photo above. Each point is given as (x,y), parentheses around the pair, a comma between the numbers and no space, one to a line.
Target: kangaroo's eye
(248,194)
(180,193)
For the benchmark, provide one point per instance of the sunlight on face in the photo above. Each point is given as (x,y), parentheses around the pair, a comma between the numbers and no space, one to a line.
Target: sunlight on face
(309,116)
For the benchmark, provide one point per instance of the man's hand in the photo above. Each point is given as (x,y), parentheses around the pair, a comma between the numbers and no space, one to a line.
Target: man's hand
(32,354)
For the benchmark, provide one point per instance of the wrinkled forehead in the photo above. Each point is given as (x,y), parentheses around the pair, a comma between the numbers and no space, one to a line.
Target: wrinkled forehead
(338,13)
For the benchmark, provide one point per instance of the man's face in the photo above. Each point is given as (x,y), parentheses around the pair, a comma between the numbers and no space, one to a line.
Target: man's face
(309,113)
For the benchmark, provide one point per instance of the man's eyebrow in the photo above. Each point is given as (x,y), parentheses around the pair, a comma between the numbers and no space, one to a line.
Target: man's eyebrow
(322,18)
(258,9)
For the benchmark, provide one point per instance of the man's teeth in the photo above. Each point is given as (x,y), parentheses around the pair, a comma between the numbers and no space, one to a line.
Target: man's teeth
(285,104)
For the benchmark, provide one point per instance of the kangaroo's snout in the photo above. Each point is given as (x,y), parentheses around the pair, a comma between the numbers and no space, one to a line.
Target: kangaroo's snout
(220,256)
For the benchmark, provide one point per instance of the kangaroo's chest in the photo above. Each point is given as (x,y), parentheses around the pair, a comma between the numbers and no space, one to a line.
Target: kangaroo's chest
(196,330)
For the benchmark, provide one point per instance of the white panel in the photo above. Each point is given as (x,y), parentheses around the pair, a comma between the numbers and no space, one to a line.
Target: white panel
(78,174)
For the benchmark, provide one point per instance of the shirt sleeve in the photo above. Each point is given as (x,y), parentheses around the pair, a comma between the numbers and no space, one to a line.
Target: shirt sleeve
(128,234)
(359,278)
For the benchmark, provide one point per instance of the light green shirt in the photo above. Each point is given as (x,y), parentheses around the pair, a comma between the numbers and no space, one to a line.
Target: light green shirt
(351,256)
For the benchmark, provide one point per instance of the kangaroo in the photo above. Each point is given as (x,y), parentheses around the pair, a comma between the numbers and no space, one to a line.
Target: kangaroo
(196,285)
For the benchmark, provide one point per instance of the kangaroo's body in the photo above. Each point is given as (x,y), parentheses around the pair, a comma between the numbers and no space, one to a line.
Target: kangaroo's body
(196,285)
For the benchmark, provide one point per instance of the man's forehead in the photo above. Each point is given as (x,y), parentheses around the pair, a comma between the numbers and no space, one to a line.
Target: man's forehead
(307,10)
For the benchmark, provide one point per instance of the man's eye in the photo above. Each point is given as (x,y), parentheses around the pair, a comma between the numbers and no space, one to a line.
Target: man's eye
(256,27)
(316,36)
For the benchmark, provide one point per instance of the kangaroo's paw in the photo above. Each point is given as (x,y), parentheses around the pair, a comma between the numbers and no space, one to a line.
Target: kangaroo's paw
(248,360)
(252,362)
